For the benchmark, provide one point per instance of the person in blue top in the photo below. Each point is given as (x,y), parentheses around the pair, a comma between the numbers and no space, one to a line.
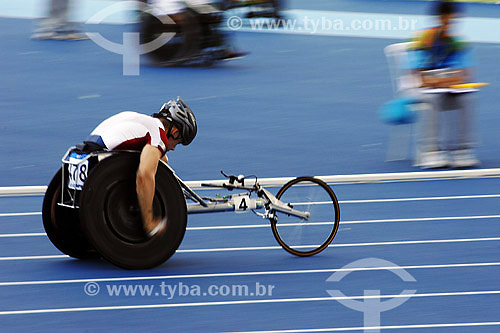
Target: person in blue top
(441,59)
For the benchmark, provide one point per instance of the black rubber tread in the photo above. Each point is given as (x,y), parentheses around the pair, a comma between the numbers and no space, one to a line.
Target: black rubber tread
(111,218)
(62,224)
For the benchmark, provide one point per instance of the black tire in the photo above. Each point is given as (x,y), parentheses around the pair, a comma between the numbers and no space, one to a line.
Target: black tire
(62,224)
(111,218)
(306,237)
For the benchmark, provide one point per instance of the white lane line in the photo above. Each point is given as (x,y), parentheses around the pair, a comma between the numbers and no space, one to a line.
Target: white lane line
(456,197)
(240,274)
(238,302)
(89,96)
(20,214)
(14,191)
(34,234)
(424,219)
(58,256)
(417,219)
(432,241)
(392,327)
(263,248)
(250,226)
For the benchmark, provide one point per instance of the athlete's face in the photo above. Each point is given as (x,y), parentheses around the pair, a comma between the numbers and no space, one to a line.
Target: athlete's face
(447,21)
(175,139)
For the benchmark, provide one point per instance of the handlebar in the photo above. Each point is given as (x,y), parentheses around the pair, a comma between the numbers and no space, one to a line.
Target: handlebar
(231,187)
(232,178)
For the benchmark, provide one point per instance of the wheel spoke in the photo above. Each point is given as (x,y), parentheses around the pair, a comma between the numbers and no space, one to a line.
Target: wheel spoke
(307,237)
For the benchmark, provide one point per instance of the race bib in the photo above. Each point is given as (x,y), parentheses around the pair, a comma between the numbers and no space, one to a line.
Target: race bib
(78,168)
(243,203)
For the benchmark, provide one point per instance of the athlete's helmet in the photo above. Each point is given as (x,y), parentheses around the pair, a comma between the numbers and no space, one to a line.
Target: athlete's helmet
(178,112)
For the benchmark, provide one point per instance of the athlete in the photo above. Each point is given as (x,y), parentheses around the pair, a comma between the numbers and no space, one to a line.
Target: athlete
(194,30)
(153,136)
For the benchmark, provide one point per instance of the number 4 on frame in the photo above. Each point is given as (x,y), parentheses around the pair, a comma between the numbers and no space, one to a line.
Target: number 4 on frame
(243,203)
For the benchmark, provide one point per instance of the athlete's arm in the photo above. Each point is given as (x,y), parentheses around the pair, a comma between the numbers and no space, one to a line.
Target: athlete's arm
(444,82)
(145,184)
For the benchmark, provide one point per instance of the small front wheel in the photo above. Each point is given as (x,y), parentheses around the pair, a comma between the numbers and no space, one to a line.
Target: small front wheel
(306,237)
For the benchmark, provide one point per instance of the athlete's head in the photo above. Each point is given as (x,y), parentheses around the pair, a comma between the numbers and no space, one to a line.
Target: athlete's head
(180,115)
(447,11)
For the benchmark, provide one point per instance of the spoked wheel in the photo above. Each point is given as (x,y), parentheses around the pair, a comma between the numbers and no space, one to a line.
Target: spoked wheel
(306,237)
(111,217)
(62,224)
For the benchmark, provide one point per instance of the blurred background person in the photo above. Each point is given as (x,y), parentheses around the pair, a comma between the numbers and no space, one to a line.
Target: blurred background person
(197,28)
(257,8)
(441,59)
(56,25)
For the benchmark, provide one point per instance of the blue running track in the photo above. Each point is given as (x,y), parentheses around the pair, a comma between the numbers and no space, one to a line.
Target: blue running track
(300,104)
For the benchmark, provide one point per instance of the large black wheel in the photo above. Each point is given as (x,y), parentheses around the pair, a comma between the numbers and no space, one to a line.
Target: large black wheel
(111,217)
(62,224)
(306,237)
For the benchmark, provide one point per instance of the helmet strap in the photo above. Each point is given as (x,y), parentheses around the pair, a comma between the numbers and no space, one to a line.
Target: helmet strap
(169,131)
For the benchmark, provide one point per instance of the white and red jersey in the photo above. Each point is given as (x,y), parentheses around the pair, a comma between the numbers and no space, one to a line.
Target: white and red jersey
(132,131)
(169,7)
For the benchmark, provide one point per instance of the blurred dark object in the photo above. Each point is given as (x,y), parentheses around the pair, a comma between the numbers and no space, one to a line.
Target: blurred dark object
(256,8)
(197,37)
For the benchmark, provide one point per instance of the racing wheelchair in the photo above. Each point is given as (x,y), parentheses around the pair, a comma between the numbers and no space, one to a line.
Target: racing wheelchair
(254,8)
(90,209)
(190,38)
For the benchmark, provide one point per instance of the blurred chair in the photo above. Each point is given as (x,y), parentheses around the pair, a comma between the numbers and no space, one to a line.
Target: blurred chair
(401,112)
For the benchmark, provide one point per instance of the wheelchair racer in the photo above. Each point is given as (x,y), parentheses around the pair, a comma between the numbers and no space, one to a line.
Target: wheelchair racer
(153,136)
(196,25)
